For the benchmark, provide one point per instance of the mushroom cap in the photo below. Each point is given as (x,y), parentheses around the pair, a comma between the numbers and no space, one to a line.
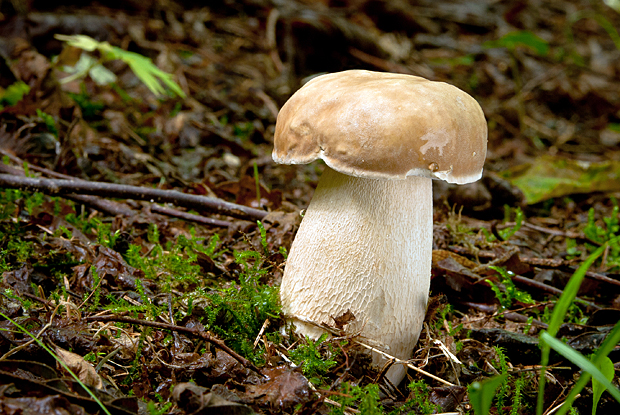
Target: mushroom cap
(383,126)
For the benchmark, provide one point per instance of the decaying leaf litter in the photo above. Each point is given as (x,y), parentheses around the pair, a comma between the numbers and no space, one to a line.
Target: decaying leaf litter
(132,297)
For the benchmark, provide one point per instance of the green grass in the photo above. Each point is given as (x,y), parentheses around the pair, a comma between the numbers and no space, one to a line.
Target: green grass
(482,394)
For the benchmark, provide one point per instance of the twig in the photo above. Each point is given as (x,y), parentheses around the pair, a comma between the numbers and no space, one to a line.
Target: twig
(195,332)
(374,349)
(104,205)
(405,363)
(567,265)
(190,217)
(511,315)
(69,187)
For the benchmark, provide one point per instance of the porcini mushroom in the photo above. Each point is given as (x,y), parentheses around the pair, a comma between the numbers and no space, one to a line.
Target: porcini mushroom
(365,242)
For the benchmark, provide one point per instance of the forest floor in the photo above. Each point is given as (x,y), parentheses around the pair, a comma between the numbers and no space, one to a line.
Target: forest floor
(173,307)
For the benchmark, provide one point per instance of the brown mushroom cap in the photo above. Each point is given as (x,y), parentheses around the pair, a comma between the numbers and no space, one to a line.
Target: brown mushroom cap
(383,126)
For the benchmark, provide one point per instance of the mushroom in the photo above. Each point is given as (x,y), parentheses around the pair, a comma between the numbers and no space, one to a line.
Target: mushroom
(365,242)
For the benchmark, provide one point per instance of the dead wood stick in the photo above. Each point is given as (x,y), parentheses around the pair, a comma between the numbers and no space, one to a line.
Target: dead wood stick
(192,331)
(190,216)
(110,207)
(69,187)
(563,264)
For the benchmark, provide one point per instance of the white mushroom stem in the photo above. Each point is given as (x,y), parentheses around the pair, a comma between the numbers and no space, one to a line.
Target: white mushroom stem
(364,245)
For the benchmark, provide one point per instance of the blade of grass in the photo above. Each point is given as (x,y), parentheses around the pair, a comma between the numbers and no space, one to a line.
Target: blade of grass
(612,339)
(481,394)
(63,364)
(581,361)
(559,311)
(256,179)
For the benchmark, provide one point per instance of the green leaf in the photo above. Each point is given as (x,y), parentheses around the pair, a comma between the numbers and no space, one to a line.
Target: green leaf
(14,93)
(143,67)
(49,121)
(606,366)
(581,361)
(548,177)
(612,339)
(83,42)
(570,291)
(481,394)
(524,38)
(101,75)
(614,4)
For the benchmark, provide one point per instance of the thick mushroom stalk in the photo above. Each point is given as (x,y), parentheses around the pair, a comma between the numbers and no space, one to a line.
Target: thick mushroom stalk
(364,245)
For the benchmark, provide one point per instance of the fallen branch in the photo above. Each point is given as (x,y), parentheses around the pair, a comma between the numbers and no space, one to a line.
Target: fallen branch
(107,206)
(55,187)
(190,217)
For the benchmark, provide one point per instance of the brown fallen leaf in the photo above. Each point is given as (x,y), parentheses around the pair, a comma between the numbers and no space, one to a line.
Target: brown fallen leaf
(343,319)
(81,368)
(196,399)
(284,389)
(52,404)
(447,397)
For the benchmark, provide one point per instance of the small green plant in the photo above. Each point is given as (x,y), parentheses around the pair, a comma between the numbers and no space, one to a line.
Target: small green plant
(607,25)
(158,409)
(14,251)
(504,388)
(243,130)
(522,38)
(548,340)
(96,293)
(420,401)
(481,394)
(313,364)
(33,201)
(174,265)
(150,305)
(507,233)
(238,311)
(90,108)
(605,233)
(602,234)
(26,304)
(105,236)
(92,357)
(517,396)
(598,233)
(442,316)
(154,78)
(49,121)
(510,293)
(366,399)
(13,94)
(606,366)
